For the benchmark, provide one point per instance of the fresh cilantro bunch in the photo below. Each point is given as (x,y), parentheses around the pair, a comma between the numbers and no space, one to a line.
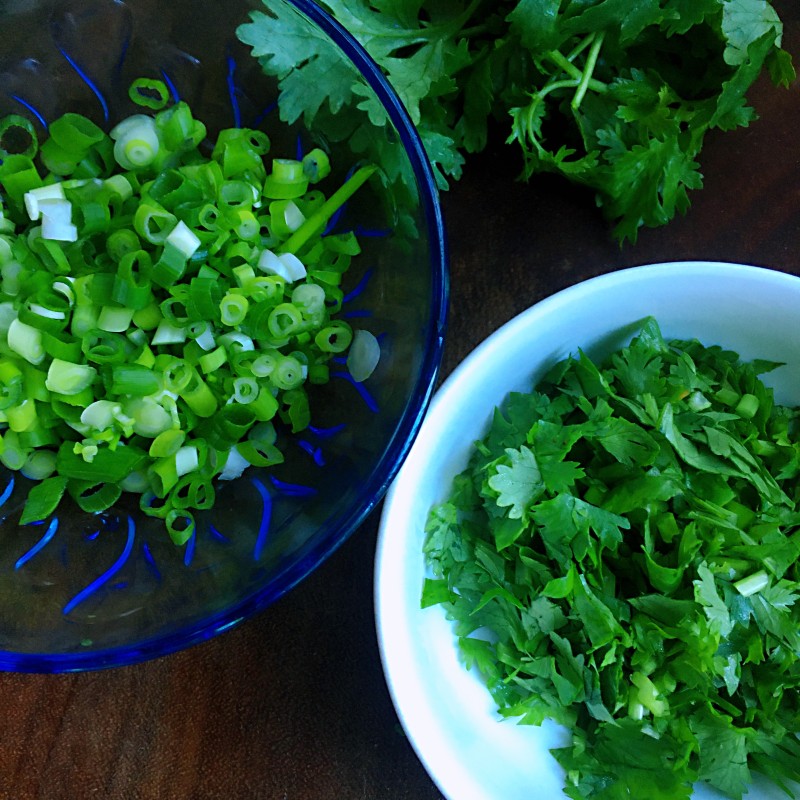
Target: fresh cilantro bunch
(621,556)
(616,95)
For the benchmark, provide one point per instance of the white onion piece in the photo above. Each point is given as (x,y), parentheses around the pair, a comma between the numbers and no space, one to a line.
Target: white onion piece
(206,340)
(167,333)
(241,340)
(34,198)
(293,216)
(293,265)
(184,238)
(100,414)
(363,356)
(56,218)
(270,263)
(58,233)
(56,210)
(234,466)
(123,127)
(186,460)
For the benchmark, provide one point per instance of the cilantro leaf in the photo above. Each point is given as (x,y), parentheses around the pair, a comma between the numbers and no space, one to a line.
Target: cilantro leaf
(536,23)
(746,20)
(517,483)
(714,607)
(615,96)
(723,751)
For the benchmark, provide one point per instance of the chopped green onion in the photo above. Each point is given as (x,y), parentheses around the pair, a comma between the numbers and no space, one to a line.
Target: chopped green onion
(22,416)
(186,460)
(133,379)
(136,143)
(114,319)
(316,165)
(245,390)
(156,318)
(180,525)
(131,287)
(233,309)
(153,223)
(148,417)
(198,396)
(67,378)
(19,175)
(94,496)
(286,181)
(39,465)
(17,137)
(285,319)
(193,491)
(100,414)
(167,443)
(75,133)
(13,455)
(310,298)
(213,360)
(167,333)
(335,338)
(102,347)
(288,373)
(177,375)
(149,93)
(747,406)
(26,341)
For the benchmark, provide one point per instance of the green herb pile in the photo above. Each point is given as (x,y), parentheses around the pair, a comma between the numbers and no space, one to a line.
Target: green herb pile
(628,535)
(613,94)
(164,301)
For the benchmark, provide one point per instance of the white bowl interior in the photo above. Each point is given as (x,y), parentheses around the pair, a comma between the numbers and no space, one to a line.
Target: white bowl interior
(447,713)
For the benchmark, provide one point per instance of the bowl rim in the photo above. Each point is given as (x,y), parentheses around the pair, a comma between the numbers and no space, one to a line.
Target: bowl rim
(385,471)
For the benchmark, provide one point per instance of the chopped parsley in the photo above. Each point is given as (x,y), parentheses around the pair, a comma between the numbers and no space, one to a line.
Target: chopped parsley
(621,556)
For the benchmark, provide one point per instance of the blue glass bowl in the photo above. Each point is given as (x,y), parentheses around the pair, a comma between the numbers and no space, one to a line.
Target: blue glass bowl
(84,591)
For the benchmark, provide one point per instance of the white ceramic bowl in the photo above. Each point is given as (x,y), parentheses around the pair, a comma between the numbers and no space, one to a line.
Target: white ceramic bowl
(447,713)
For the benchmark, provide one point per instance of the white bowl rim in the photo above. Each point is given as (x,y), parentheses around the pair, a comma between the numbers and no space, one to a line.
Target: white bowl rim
(389,570)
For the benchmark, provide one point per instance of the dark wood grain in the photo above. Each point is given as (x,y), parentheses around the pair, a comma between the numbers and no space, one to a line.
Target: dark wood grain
(292,705)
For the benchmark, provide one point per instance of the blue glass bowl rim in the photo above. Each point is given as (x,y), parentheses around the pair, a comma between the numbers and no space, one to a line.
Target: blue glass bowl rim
(374,490)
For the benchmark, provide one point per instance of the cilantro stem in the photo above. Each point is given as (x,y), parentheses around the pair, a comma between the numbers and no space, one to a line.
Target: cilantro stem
(565,62)
(581,46)
(475,30)
(582,79)
(565,83)
(559,59)
(591,63)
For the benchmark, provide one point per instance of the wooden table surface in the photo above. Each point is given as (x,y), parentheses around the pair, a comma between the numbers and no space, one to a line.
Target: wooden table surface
(292,704)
